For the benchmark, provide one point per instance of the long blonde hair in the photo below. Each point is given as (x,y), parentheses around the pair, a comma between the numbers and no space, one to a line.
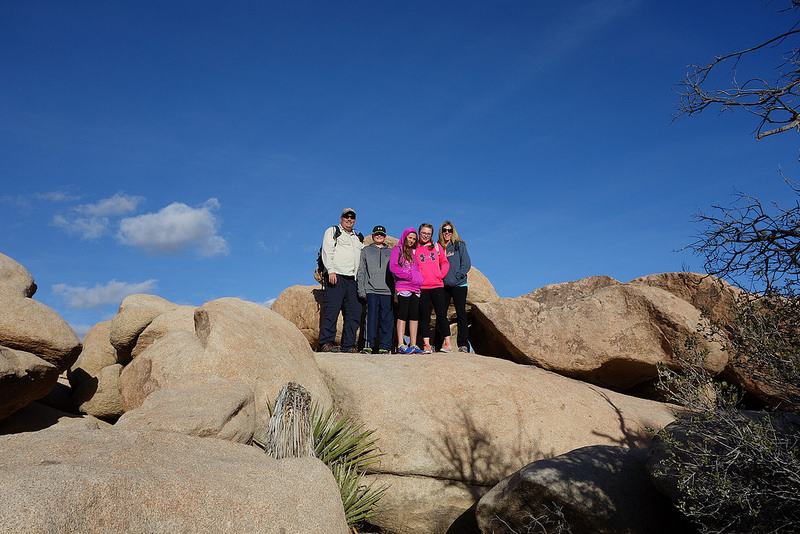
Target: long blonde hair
(455,239)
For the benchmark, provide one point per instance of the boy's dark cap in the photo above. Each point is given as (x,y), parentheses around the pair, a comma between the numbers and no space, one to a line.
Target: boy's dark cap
(380,230)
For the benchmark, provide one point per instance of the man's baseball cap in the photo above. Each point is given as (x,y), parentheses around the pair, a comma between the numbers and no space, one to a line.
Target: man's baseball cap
(380,230)
(350,211)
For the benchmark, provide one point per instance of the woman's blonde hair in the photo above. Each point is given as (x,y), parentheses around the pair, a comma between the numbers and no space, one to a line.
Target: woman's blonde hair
(430,244)
(456,238)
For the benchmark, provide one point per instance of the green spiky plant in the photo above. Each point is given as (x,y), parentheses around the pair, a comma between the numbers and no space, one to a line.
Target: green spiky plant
(342,443)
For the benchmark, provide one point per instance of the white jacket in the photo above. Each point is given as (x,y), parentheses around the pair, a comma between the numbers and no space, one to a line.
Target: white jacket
(344,256)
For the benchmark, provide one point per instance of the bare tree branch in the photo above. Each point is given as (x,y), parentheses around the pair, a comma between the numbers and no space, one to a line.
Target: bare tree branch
(774,101)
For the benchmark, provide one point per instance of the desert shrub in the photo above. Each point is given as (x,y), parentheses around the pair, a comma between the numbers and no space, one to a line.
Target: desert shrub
(733,471)
(346,447)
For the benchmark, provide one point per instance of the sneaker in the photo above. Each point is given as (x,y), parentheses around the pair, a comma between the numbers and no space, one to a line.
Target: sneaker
(366,350)
(426,349)
(416,350)
(383,351)
(446,348)
(329,347)
(463,349)
(404,349)
(351,350)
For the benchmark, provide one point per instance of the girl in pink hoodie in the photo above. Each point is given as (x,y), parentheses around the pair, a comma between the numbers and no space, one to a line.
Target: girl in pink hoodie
(407,282)
(433,266)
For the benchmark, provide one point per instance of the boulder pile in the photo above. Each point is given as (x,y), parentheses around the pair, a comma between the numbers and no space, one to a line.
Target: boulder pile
(152,431)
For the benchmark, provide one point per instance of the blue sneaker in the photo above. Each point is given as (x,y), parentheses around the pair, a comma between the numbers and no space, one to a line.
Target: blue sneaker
(416,350)
(405,349)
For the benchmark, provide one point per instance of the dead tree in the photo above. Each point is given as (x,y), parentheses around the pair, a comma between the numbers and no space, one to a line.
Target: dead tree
(289,433)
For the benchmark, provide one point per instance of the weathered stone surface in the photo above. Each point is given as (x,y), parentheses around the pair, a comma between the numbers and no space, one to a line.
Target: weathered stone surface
(181,318)
(30,326)
(704,292)
(248,343)
(99,395)
(415,504)
(302,306)
(15,280)
(197,405)
(24,378)
(237,340)
(135,313)
(37,416)
(473,420)
(480,288)
(97,353)
(164,362)
(599,489)
(158,482)
(596,330)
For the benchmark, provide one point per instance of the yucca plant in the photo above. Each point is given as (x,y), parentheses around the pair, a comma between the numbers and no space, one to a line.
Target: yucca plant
(343,444)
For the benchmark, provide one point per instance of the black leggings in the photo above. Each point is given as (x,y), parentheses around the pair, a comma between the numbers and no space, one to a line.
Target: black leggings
(438,298)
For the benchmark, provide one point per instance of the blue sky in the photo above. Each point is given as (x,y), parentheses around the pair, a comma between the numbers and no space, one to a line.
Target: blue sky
(198,150)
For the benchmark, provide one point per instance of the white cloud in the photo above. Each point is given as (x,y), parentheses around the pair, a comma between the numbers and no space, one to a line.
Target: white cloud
(57,196)
(119,204)
(269,302)
(112,293)
(175,228)
(86,227)
(91,221)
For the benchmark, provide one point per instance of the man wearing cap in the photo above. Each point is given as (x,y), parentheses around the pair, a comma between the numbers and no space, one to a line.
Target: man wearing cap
(375,283)
(341,254)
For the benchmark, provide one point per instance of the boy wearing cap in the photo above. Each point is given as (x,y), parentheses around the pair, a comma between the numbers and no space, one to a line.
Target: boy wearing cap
(375,283)
(341,253)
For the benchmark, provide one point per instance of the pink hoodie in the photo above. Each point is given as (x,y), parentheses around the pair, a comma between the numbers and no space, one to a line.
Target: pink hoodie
(433,265)
(406,276)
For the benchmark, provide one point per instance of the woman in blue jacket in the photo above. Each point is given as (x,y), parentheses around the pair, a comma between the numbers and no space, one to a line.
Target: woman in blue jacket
(455,283)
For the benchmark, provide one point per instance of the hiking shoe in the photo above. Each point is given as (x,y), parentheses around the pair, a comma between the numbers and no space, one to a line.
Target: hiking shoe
(383,351)
(446,348)
(351,350)
(426,349)
(405,349)
(329,347)
(416,350)
(366,350)
(463,349)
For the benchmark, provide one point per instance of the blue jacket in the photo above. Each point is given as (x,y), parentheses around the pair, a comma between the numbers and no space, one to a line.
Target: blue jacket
(458,257)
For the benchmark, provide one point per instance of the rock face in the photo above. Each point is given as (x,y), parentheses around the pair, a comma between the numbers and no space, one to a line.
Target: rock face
(28,325)
(197,405)
(95,375)
(469,421)
(237,340)
(126,481)
(597,330)
(36,343)
(598,489)
(24,378)
(302,306)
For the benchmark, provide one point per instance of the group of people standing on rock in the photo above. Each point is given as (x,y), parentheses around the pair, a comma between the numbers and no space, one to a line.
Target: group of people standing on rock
(422,273)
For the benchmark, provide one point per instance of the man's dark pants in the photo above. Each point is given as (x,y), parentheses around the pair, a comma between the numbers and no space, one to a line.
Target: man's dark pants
(340,297)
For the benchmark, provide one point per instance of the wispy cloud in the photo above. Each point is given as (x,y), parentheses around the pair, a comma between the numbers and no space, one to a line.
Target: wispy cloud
(81,298)
(175,228)
(91,221)
(57,196)
(118,205)
(269,302)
